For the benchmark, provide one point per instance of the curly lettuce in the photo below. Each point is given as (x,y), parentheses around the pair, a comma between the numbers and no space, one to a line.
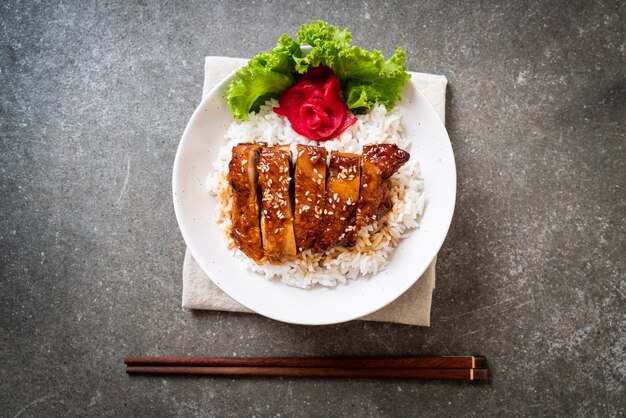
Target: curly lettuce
(326,41)
(265,77)
(366,77)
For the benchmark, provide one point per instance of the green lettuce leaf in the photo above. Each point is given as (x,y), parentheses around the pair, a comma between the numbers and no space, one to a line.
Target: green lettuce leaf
(265,76)
(366,77)
(327,42)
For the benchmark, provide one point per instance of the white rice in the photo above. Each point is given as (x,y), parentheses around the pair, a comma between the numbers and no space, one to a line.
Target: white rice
(375,243)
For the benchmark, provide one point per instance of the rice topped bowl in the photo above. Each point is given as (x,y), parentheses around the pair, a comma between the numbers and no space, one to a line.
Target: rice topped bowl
(374,244)
(195,208)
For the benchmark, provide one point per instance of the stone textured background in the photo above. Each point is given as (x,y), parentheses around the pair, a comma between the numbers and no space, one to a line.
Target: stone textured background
(94,97)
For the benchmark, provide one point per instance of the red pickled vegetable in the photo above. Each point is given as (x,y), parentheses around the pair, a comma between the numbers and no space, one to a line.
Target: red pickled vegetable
(314,107)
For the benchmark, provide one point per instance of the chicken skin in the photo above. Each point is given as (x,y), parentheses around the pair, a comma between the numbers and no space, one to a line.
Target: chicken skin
(309,191)
(342,194)
(379,162)
(273,220)
(243,176)
(277,232)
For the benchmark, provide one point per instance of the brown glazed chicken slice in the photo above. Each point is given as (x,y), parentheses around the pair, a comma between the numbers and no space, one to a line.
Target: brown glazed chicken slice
(310,186)
(242,176)
(342,194)
(379,162)
(274,169)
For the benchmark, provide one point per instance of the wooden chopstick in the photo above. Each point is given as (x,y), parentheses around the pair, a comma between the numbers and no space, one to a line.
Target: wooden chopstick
(448,374)
(429,367)
(409,362)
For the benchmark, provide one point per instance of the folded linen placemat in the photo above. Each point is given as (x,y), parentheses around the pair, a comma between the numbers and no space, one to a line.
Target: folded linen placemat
(412,308)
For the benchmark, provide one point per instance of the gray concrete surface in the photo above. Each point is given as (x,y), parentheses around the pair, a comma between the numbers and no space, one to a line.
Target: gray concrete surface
(93,99)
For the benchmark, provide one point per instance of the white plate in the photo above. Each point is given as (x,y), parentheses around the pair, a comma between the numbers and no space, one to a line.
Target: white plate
(195,208)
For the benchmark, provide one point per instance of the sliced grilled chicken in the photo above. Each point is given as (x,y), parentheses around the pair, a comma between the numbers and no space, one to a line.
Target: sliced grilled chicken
(242,176)
(310,186)
(379,162)
(342,194)
(274,169)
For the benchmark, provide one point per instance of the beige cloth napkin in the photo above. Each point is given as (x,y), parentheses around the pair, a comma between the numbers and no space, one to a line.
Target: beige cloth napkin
(412,308)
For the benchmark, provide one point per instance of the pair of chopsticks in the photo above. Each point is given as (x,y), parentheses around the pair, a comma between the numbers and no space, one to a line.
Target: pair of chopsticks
(427,367)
